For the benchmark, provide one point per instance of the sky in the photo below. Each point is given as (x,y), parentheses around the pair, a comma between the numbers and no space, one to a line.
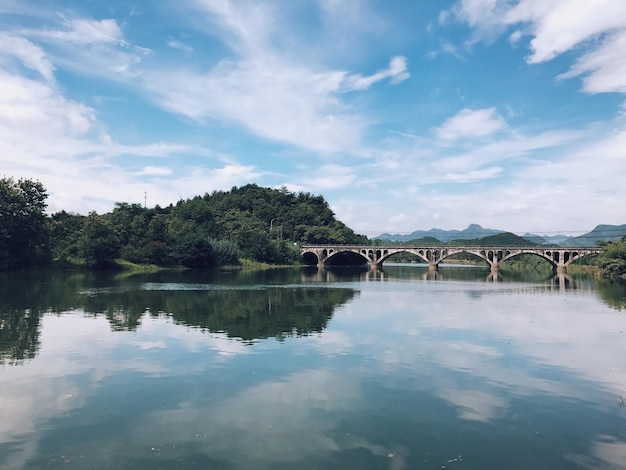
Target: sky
(404,115)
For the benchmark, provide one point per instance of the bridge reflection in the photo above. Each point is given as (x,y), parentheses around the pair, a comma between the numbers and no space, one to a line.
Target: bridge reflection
(554,281)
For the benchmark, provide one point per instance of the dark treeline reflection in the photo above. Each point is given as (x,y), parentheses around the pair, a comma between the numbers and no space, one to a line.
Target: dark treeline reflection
(240,304)
(19,335)
(248,305)
(613,293)
(246,313)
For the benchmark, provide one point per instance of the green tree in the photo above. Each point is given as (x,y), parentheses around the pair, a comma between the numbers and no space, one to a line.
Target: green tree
(612,259)
(194,252)
(226,252)
(64,228)
(157,240)
(24,238)
(98,244)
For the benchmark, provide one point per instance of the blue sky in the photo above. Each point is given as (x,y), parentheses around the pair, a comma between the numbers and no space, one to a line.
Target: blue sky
(404,115)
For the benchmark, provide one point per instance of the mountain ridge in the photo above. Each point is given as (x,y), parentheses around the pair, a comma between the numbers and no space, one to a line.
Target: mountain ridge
(602,232)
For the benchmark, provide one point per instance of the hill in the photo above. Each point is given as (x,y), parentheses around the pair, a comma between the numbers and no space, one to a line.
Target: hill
(602,233)
(501,239)
(473,231)
(218,228)
(435,236)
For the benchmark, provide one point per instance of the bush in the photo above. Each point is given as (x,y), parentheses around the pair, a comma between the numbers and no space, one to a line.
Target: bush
(612,259)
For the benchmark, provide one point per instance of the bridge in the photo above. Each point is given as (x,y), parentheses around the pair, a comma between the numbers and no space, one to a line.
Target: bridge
(325,255)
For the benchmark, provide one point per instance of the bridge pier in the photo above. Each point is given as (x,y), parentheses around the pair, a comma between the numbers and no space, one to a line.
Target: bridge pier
(495,268)
(561,269)
(433,266)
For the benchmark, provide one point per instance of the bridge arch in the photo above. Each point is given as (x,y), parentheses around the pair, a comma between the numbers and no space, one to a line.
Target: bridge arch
(427,255)
(347,258)
(558,257)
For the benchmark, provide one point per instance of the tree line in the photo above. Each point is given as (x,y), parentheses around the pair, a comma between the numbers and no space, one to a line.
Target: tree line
(216,229)
(220,228)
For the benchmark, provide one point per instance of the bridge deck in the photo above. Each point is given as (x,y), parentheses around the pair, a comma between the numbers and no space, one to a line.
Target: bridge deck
(559,257)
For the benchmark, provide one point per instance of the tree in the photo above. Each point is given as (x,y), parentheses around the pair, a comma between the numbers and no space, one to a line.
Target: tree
(64,228)
(194,252)
(612,259)
(226,252)
(98,243)
(24,239)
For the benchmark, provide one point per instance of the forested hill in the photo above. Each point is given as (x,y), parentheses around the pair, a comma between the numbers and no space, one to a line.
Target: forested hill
(501,239)
(252,222)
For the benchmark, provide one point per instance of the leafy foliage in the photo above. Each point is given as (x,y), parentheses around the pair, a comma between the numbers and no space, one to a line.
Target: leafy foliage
(24,238)
(612,259)
(99,243)
(260,224)
(501,239)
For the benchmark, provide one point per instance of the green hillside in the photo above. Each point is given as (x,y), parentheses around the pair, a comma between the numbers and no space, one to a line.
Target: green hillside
(218,228)
(501,239)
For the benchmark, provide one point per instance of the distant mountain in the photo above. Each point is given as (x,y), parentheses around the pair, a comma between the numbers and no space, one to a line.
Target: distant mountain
(603,233)
(546,239)
(501,239)
(427,241)
(472,232)
(538,239)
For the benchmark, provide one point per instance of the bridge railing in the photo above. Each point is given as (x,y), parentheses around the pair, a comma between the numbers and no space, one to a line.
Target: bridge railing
(443,247)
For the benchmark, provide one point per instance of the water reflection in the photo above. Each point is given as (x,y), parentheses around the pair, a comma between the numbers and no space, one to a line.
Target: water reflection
(19,335)
(380,369)
(613,293)
(233,303)
(248,305)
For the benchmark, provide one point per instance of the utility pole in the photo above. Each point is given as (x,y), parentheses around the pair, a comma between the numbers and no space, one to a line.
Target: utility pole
(145,198)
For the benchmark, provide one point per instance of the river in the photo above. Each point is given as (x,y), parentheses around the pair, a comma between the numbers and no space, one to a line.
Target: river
(401,368)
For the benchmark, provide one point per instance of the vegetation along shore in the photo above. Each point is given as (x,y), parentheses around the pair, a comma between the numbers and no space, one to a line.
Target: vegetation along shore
(248,225)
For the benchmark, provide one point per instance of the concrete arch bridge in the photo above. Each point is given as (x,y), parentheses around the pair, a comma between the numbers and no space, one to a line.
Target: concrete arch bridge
(324,255)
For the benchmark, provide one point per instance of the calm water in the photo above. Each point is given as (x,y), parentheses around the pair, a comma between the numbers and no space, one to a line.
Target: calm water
(400,369)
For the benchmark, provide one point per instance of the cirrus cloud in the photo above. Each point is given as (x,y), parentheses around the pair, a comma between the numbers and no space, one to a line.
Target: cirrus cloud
(470,123)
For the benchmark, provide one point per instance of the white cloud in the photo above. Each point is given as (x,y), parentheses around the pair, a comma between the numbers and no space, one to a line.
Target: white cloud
(515,36)
(449,48)
(469,123)
(396,72)
(267,91)
(155,171)
(542,172)
(28,104)
(201,180)
(271,99)
(45,136)
(90,47)
(595,30)
(325,178)
(482,15)
(27,53)
(604,68)
(560,25)
(180,45)
(475,175)
(83,31)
